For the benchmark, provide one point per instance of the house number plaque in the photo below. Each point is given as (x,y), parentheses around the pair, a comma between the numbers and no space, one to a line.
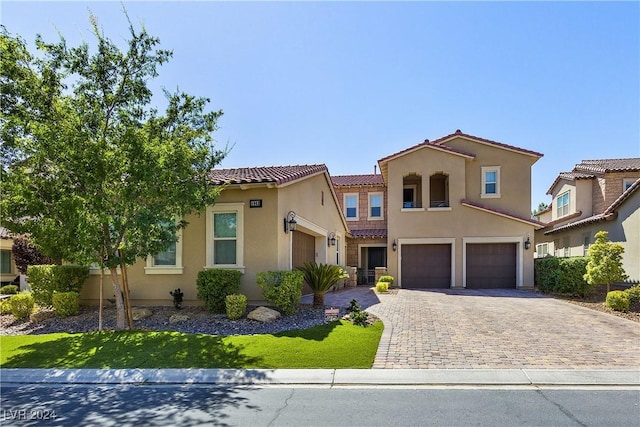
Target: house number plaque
(255,203)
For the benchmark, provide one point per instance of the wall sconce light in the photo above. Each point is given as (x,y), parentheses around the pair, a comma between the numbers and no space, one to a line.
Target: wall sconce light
(527,243)
(290,222)
(331,239)
(394,246)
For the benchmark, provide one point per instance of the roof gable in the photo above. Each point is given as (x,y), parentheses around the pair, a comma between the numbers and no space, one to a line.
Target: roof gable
(589,169)
(459,134)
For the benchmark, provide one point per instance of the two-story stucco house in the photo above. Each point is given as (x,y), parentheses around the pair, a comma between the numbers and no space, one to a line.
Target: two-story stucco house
(265,218)
(596,195)
(8,270)
(457,214)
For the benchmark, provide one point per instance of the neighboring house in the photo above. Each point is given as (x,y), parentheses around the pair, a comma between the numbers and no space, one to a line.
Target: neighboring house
(457,213)
(363,199)
(8,270)
(247,229)
(596,195)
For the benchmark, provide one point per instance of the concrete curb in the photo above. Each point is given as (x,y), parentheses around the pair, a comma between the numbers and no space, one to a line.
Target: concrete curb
(326,377)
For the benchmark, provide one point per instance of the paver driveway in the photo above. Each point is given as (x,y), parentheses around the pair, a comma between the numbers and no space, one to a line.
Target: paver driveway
(497,329)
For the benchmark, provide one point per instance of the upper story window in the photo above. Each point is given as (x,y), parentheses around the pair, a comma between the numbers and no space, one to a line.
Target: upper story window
(562,205)
(5,262)
(542,250)
(439,191)
(170,260)
(628,182)
(351,206)
(490,182)
(225,235)
(375,206)
(412,192)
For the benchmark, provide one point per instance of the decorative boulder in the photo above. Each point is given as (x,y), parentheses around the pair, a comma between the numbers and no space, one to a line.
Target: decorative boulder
(39,316)
(176,318)
(140,313)
(264,314)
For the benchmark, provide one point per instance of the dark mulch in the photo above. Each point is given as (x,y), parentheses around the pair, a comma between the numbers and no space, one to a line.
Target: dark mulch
(596,300)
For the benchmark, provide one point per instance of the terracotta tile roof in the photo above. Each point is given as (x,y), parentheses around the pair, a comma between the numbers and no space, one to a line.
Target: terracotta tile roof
(264,174)
(350,180)
(369,233)
(459,133)
(609,213)
(527,220)
(609,165)
(428,144)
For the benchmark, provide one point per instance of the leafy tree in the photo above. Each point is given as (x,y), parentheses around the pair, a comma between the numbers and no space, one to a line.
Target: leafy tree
(25,254)
(542,206)
(320,278)
(605,262)
(90,168)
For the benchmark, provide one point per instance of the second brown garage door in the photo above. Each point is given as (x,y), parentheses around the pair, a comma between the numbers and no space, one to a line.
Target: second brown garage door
(491,265)
(426,266)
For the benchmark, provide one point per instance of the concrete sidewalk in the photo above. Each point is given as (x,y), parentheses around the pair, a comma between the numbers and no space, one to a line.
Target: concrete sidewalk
(326,377)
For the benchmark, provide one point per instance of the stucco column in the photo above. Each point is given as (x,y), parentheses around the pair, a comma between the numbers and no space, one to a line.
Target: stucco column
(380,271)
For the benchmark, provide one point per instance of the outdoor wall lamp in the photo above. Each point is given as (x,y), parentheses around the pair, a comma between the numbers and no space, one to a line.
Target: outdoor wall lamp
(394,246)
(290,222)
(331,239)
(527,243)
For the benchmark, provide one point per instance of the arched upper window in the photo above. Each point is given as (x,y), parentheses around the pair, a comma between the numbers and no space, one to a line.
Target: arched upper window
(439,190)
(412,191)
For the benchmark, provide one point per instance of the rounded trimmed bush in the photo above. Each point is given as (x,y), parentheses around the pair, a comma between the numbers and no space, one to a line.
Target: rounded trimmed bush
(618,301)
(5,306)
(214,285)
(382,287)
(633,293)
(387,279)
(22,305)
(236,305)
(66,304)
(9,290)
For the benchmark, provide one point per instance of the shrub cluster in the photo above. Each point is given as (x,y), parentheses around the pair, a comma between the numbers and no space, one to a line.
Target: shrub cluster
(382,286)
(236,305)
(634,294)
(47,279)
(8,290)
(357,315)
(618,301)
(387,279)
(214,285)
(21,305)
(562,275)
(282,289)
(66,304)
(5,306)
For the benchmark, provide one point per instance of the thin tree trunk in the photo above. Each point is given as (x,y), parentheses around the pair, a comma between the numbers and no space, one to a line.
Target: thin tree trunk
(318,299)
(101,297)
(117,289)
(127,299)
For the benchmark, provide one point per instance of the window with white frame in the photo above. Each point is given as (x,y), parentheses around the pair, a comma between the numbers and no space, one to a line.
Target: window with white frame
(375,206)
(351,206)
(168,261)
(562,205)
(5,262)
(542,250)
(566,246)
(225,235)
(628,182)
(490,181)
(586,242)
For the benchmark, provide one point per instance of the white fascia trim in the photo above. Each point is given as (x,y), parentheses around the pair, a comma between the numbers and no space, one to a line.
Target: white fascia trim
(510,239)
(428,241)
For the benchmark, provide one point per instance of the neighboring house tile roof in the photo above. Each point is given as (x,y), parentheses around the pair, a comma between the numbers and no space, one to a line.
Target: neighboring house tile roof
(5,233)
(609,213)
(264,174)
(369,233)
(351,180)
(530,221)
(588,169)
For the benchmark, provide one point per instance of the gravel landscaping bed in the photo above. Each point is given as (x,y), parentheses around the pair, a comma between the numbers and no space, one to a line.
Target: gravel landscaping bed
(199,321)
(595,301)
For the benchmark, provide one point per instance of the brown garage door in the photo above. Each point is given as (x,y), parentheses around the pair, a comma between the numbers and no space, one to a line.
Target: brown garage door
(491,265)
(304,249)
(426,266)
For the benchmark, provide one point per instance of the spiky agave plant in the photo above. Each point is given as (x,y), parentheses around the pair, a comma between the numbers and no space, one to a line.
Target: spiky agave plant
(320,278)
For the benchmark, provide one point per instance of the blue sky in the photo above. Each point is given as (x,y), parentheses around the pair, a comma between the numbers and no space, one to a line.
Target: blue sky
(347,83)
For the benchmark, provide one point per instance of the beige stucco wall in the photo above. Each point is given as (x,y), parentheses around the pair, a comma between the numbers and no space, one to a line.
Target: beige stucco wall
(580,197)
(6,245)
(265,247)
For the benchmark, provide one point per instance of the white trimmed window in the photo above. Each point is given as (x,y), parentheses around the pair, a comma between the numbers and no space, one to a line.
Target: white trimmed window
(225,236)
(542,250)
(168,261)
(351,206)
(490,182)
(375,206)
(562,205)
(5,262)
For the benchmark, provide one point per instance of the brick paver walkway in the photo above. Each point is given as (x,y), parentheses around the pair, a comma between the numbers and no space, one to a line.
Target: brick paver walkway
(494,329)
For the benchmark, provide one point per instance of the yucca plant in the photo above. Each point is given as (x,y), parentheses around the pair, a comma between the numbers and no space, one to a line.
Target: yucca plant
(320,278)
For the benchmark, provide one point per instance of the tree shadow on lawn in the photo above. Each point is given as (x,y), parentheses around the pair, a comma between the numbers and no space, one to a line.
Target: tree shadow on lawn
(131,349)
(316,333)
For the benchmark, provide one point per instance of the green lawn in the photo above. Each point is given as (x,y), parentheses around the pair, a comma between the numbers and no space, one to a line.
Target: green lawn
(338,344)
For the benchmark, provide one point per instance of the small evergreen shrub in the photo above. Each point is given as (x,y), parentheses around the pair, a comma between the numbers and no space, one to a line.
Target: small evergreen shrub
(22,305)
(633,293)
(9,290)
(382,287)
(5,306)
(236,305)
(282,289)
(177,295)
(359,318)
(354,306)
(47,279)
(214,285)
(618,301)
(66,304)
(387,279)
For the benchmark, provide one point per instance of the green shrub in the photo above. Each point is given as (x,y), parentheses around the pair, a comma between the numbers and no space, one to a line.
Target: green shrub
(21,305)
(382,287)
(354,306)
(562,275)
(633,293)
(214,285)
(65,304)
(236,305)
(359,318)
(5,306)
(282,289)
(618,301)
(47,279)
(9,290)
(387,279)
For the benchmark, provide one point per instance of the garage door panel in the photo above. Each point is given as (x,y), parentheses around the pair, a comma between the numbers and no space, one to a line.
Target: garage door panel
(491,265)
(426,266)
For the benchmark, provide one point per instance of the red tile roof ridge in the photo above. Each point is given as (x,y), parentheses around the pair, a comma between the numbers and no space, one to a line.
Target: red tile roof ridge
(361,179)
(426,143)
(264,174)
(532,221)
